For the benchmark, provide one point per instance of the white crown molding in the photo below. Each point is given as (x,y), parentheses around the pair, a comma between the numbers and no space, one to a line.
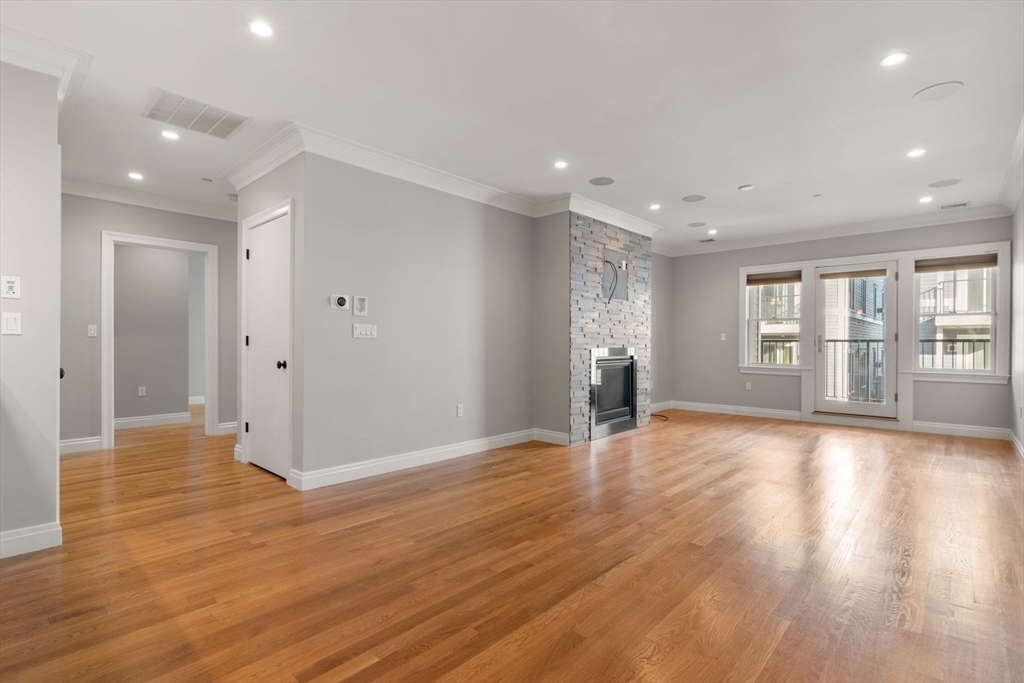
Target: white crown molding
(68,65)
(884,225)
(123,195)
(549,207)
(1013,182)
(265,158)
(606,214)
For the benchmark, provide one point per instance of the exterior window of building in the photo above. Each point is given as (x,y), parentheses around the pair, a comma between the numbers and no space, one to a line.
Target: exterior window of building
(773,318)
(955,312)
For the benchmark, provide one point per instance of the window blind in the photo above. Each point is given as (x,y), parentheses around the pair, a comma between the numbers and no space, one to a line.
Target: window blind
(935,265)
(779,278)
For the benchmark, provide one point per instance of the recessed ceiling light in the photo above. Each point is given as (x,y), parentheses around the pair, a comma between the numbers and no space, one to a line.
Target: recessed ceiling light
(696,225)
(745,188)
(170,135)
(694,198)
(914,153)
(712,231)
(655,207)
(894,59)
(261,28)
(135,176)
(938,91)
(924,200)
(944,183)
(601,180)
(561,164)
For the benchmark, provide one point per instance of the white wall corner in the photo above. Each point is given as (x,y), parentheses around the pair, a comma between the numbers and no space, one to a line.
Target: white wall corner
(1013,182)
(88,443)
(607,214)
(30,539)
(227,428)
(68,65)
(150,200)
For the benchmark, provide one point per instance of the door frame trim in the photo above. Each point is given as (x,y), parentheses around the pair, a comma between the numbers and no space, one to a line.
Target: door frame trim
(211,298)
(287,207)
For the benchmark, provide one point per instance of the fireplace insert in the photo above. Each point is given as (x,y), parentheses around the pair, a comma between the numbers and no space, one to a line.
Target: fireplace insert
(612,391)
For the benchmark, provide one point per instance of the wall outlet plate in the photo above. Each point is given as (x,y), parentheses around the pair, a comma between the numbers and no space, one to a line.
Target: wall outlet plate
(360,305)
(10,286)
(342,301)
(364,331)
(11,323)
(142,391)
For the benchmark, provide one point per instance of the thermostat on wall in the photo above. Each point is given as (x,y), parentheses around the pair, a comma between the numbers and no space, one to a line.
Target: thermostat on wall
(341,301)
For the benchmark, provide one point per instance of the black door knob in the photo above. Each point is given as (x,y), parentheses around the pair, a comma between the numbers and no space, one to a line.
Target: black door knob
(62,373)
(282,364)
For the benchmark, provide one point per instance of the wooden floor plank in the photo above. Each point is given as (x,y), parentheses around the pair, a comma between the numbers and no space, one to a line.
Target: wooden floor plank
(709,547)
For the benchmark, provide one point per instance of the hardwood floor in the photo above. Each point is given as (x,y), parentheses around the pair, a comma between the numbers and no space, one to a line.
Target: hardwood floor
(707,548)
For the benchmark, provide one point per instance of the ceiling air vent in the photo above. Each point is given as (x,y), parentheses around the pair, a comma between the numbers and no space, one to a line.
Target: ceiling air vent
(710,239)
(194,115)
(950,207)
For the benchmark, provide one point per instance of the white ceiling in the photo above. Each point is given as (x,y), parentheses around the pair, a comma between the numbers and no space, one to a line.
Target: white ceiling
(670,99)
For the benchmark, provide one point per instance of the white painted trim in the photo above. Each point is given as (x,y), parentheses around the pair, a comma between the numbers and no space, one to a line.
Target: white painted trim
(1017,446)
(607,214)
(828,232)
(548,436)
(86,443)
(959,378)
(152,420)
(68,65)
(304,481)
(150,200)
(287,207)
(274,152)
(963,430)
(211,294)
(227,428)
(1013,181)
(789,371)
(769,413)
(549,207)
(196,400)
(30,539)
(663,405)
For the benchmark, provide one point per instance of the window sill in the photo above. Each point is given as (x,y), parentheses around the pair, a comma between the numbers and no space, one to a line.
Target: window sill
(789,370)
(960,377)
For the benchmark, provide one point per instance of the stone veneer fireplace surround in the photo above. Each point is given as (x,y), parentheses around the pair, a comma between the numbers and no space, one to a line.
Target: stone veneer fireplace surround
(598,323)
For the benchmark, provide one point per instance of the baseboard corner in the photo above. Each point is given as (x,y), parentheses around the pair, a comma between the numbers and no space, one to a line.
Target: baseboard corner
(548,436)
(30,539)
(227,428)
(88,443)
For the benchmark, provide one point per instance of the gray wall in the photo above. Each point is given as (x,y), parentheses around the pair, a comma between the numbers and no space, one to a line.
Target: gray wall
(663,348)
(30,248)
(1017,344)
(151,341)
(707,296)
(286,182)
(84,219)
(196,326)
(551,323)
(450,287)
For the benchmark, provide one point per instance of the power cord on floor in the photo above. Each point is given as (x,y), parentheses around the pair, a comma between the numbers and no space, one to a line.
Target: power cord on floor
(660,416)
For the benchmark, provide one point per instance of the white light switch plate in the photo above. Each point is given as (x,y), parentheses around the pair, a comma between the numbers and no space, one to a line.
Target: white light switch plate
(91,331)
(10,323)
(364,331)
(10,287)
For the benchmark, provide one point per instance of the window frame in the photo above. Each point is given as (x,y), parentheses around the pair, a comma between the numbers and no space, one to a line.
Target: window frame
(744,347)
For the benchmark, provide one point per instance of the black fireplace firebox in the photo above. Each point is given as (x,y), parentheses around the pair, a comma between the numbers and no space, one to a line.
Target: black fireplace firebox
(612,391)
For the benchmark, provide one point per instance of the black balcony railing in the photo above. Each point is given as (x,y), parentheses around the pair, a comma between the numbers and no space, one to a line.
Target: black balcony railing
(779,351)
(855,370)
(955,354)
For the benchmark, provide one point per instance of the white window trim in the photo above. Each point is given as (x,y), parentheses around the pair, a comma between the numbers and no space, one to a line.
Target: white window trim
(907,315)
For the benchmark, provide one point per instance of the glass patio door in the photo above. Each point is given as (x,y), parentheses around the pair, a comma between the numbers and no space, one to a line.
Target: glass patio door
(855,339)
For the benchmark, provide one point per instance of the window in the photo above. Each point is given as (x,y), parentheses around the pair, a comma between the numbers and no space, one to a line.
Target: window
(773,318)
(956,312)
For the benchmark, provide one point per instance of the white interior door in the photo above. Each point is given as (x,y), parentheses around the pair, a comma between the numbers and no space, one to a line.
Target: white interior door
(267,441)
(855,339)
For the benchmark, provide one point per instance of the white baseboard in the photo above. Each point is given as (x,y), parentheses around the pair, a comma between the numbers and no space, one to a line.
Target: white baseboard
(1017,445)
(196,400)
(239,456)
(304,481)
(658,407)
(770,413)
(548,436)
(29,539)
(964,430)
(227,428)
(152,420)
(88,443)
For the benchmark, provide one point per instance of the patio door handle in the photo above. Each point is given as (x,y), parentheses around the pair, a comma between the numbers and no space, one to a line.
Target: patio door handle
(821,344)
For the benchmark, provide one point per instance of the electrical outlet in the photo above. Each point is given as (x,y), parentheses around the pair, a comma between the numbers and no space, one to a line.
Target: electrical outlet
(748,386)
(142,391)
(723,336)
(91,331)
(459,410)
